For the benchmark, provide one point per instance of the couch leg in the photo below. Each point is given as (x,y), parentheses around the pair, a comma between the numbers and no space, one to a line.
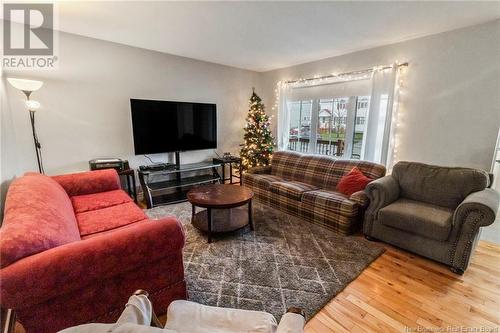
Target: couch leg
(458,271)
(371,239)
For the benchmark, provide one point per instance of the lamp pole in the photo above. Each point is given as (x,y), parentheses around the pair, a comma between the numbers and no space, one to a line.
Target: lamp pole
(27,87)
(38,146)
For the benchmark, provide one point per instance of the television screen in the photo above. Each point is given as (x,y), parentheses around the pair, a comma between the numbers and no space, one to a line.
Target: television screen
(163,126)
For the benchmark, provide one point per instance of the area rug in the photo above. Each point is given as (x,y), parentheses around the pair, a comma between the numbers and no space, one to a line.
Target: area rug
(284,262)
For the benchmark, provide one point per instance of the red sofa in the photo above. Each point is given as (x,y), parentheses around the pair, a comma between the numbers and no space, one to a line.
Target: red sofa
(74,247)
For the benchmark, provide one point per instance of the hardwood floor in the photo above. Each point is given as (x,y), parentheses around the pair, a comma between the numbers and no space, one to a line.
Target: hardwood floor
(400,292)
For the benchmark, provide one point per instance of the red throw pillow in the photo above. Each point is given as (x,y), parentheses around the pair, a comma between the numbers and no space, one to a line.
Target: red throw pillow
(352,182)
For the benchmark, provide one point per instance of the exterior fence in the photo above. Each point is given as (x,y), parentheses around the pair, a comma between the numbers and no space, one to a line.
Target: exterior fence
(323,147)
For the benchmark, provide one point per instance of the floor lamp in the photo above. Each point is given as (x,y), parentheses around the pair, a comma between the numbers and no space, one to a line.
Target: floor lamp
(27,87)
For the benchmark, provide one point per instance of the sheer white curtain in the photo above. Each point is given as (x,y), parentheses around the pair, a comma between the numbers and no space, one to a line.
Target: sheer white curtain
(377,143)
(283,116)
(380,85)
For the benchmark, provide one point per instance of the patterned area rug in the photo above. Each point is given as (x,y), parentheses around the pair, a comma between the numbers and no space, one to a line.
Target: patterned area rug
(285,262)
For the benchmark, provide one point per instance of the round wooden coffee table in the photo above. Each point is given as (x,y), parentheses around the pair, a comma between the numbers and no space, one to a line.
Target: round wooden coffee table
(221,201)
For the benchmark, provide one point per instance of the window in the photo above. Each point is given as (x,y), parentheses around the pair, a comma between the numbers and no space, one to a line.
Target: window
(300,125)
(346,117)
(329,126)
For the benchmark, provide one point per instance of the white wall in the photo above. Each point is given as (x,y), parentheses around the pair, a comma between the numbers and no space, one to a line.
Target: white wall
(450,110)
(85,109)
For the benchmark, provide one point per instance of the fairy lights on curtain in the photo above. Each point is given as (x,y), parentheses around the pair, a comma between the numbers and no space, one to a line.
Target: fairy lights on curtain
(397,116)
(353,76)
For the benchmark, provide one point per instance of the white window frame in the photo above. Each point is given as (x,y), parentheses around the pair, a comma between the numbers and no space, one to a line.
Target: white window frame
(351,107)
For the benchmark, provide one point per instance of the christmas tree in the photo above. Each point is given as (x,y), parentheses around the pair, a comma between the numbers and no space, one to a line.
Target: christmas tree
(259,142)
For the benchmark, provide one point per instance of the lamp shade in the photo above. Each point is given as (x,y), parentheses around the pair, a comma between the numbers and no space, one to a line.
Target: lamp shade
(25,85)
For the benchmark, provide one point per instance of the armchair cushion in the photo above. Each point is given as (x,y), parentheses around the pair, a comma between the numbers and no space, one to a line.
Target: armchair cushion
(291,189)
(87,202)
(333,202)
(96,221)
(442,186)
(419,218)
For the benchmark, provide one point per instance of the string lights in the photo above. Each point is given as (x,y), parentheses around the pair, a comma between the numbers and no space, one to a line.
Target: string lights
(397,114)
(354,76)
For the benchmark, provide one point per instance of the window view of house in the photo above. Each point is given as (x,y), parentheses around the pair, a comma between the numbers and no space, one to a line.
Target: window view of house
(332,122)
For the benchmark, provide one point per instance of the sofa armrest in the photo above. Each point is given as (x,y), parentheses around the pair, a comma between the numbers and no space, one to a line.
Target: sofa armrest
(292,322)
(360,197)
(69,267)
(136,318)
(89,182)
(485,203)
(260,170)
(381,192)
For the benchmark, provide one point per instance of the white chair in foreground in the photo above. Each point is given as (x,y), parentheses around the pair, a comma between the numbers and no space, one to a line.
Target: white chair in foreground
(190,317)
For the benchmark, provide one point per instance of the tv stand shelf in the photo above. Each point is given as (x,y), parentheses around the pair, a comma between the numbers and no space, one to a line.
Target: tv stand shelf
(170,185)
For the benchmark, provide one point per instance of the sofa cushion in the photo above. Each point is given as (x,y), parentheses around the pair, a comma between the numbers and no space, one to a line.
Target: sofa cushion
(291,189)
(84,203)
(38,216)
(313,169)
(89,182)
(334,202)
(419,218)
(284,164)
(352,182)
(261,181)
(343,167)
(95,221)
(442,186)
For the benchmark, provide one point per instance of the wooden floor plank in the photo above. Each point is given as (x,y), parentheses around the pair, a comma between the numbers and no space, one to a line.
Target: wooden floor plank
(401,289)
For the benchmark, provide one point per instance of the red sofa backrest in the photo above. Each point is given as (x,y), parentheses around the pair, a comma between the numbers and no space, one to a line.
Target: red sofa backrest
(38,216)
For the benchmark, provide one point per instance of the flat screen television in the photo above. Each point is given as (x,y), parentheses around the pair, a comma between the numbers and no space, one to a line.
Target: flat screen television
(164,126)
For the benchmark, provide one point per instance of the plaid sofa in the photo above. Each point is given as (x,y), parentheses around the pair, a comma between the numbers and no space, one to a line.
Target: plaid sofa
(305,186)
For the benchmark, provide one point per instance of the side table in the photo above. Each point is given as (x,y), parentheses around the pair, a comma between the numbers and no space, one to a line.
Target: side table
(234,162)
(130,176)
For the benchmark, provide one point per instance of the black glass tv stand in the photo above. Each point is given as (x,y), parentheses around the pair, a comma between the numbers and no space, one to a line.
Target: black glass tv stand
(170,185)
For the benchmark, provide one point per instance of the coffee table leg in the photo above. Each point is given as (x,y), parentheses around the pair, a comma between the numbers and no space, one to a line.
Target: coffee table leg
(209,220)
(250,214)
